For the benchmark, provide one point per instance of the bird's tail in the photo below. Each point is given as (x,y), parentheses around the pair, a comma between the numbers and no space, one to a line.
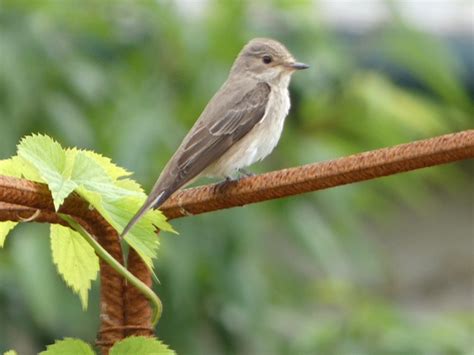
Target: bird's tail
(151,202)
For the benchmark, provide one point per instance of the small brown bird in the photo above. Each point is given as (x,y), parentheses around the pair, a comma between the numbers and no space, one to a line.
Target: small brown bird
(239,126)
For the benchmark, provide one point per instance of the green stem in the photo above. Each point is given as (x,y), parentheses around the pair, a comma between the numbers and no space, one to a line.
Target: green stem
(119,268)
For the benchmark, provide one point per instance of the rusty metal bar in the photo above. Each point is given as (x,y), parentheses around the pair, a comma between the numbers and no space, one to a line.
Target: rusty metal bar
(312,177)
(23,200)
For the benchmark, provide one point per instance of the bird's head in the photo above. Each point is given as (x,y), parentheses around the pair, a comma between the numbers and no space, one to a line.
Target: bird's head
(266,60)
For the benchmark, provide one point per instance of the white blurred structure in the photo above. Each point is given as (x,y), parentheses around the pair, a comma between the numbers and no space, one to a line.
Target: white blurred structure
(441,17)
(436,16)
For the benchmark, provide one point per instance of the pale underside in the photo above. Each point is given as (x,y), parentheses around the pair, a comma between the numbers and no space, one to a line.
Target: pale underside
(259,142)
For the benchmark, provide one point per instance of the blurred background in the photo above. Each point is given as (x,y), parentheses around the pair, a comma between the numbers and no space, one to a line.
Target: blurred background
(380,267)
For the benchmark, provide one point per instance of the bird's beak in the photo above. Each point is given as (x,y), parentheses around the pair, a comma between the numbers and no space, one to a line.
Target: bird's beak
(297,66)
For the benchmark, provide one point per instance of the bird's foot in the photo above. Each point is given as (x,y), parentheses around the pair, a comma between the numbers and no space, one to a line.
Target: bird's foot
(220,187)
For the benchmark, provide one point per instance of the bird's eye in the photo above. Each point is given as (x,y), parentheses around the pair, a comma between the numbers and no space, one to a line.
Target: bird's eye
(267,59)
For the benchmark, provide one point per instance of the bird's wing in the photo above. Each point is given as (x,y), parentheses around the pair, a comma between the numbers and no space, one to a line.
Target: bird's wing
(227,119)
(230,123)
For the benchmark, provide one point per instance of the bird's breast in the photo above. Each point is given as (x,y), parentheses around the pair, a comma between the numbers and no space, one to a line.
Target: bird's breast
(267,132)
(260,141)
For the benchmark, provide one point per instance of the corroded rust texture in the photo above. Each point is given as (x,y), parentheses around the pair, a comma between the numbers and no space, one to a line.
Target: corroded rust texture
(323,175)
(137,311)
(124,311)
(21,199)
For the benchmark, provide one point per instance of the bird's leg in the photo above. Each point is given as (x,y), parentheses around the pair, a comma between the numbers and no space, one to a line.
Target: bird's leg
(229,180)
(246,173)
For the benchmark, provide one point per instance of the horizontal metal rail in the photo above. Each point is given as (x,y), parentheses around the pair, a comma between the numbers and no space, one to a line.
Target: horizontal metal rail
(312,177)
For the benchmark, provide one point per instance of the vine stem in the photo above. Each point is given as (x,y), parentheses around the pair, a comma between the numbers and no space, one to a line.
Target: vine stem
(120,269)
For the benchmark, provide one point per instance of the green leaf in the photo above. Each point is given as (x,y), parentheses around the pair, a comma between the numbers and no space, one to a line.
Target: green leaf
(10,352)
(117,213)
(141,345)
(130,184)
(9,168)
(88,173)
(75,259)
(96,179)
(68,346)
(143,239)
(114,171)
(5,228)
(49,159)
(19,167)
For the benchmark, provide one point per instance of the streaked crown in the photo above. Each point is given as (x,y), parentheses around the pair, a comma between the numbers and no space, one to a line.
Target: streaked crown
(262,56)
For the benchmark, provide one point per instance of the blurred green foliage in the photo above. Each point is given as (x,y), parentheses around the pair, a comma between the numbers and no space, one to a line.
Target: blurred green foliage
(297,276)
